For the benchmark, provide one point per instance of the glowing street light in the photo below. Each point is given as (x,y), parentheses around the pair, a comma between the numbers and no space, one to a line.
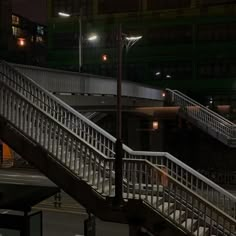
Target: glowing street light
(93,37)
(133,38)
(63,14)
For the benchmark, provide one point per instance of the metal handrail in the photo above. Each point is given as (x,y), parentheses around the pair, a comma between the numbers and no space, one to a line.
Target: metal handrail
(103,141)
(203,114)
(87,163)
(195,103)
(212,218)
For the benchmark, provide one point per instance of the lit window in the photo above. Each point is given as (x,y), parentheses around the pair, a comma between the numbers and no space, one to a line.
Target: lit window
(39,39)
(16,31)
(15,20)
(40,30)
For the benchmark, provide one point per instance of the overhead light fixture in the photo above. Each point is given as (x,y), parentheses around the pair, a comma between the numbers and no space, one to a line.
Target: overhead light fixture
(155,125)
(64,14)
(131,38)
(93,37)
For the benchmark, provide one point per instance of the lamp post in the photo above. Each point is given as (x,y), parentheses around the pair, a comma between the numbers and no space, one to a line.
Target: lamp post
(123,40)
(79,17)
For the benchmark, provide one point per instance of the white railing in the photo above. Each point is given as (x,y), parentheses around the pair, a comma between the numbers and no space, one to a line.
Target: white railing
(105,143)
(175,201)
(143,180)
(190,178)
(64,146)
(59,110)
(201,113)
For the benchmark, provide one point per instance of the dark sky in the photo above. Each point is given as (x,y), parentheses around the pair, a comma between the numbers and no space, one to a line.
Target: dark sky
(35,10)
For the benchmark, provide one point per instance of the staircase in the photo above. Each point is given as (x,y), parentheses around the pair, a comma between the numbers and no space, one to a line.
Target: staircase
(79,157)
(204,118)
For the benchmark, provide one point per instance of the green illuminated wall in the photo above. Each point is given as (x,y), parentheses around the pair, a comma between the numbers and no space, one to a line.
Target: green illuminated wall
(190,49)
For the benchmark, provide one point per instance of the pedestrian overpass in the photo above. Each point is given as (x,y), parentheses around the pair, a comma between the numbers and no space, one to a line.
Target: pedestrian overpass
(159,191)
(92,92)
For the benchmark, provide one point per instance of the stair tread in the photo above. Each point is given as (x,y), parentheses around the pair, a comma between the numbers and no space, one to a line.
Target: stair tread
(166,205)
(176,214)
(188,223)
(201,231)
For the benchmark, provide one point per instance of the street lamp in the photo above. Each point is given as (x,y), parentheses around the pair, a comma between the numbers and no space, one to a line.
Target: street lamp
(93,37)
(123,40)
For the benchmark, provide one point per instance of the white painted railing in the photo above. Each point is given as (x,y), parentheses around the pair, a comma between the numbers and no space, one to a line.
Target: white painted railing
(143,179)
(104,143)
(207,117)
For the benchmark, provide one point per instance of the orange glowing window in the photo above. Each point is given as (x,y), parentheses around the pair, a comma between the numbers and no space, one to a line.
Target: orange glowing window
(21,42)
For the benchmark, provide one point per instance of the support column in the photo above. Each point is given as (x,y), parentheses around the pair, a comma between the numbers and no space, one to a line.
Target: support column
(25,231)
(90,226)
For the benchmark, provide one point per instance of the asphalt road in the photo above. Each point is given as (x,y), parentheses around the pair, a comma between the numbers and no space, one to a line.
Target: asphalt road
(24,177)
(66,224)
(66,220)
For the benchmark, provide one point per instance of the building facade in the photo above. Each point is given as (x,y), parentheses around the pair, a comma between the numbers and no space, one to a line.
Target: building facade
(21,40)
(28,41)
(187,44)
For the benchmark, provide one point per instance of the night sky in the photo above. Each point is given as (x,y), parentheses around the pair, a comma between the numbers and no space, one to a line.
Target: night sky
(34,10)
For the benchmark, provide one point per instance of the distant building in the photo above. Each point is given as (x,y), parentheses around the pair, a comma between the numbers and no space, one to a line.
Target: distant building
(21,40)
(28,41)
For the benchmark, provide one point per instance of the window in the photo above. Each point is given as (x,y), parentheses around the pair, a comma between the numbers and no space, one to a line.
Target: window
(217,69)
(217,32)
(171,70)
(65,40)
(16,31)
(108,6)
(167,4)
(15,20)
(216,2)
(177,34)
(40,30)
(39,39)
